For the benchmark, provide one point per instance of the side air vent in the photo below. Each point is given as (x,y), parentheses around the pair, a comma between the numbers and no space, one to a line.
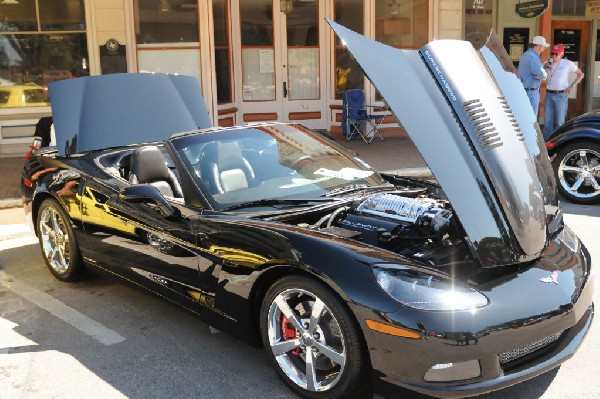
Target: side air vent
(512,118)
(487,135)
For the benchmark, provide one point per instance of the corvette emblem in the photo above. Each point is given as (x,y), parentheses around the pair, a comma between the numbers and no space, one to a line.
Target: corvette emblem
(553,278)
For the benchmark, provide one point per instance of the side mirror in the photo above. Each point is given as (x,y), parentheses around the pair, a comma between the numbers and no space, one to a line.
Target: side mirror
(148,194)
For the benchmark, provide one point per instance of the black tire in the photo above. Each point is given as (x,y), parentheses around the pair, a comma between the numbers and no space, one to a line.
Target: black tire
(340,367)
(577,172)
(57,241)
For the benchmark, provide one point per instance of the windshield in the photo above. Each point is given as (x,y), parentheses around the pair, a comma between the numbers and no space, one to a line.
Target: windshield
(264,162)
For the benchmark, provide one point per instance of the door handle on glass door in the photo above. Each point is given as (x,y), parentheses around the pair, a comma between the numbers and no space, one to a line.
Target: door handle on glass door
(285,93)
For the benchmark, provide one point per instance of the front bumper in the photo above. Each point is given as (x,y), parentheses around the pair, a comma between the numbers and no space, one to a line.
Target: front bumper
(525,309)
(563,350)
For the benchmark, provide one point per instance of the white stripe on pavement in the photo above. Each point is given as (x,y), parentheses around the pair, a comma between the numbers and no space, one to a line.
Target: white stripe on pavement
(18,242)
(67,314)
(10,231)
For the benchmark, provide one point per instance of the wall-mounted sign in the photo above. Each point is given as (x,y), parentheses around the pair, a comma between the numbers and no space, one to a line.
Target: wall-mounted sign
(571,39)
(531,8)
(515,42)
(112,57)
(592,9)
(265,57)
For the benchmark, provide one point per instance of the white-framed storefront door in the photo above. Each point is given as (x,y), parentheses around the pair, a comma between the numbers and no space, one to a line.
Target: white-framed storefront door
(282,61)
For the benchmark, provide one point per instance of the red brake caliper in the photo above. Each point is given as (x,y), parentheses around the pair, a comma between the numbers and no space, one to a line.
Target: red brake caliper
(289,332)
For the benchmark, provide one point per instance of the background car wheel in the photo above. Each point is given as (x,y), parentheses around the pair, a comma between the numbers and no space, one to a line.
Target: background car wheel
(577,172)
(59,247)
(312,339)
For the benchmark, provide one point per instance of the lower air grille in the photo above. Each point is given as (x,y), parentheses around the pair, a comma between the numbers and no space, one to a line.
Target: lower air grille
(527,349)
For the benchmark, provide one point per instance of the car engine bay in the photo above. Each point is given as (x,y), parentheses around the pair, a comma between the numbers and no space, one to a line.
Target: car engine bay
(411,222)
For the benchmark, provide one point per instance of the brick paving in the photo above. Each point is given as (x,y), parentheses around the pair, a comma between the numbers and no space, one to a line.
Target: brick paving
(10,180)
(390,154)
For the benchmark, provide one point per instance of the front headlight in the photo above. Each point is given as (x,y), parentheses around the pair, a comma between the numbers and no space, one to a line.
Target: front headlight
(426,291)
(567,237)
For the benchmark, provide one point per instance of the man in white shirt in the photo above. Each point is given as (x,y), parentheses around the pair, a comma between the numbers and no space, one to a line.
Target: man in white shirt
(558,88)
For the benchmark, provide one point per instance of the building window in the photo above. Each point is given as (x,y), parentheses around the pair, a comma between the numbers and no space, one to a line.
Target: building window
(478,21)
(258,53)
(401,23)
(222,51)
(167,35)
(348,75)
(568,7)
(302,32)
(596,68)
(40,42)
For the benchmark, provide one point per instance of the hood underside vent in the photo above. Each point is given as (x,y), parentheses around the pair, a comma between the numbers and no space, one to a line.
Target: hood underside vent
(512,118)
(484,129)
(447,100)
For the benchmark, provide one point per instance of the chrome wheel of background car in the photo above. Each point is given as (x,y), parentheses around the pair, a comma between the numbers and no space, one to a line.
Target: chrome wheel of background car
(57,241)
(311,338)
(577,168)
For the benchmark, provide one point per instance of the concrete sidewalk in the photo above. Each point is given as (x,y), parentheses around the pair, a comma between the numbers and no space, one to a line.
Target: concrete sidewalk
(391,154)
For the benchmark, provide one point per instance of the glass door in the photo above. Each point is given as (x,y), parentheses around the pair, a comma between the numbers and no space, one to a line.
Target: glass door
(574,36)
(258,59)
(282,62)
(302,57)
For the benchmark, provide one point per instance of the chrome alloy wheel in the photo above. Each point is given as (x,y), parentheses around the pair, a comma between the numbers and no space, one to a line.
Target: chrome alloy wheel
(306,340)
(54,238)
(578,173)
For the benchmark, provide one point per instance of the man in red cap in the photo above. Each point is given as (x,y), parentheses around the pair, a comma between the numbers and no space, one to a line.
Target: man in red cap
(558,88)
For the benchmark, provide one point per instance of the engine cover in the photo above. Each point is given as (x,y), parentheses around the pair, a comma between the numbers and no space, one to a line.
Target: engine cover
(388,220)
(399,208)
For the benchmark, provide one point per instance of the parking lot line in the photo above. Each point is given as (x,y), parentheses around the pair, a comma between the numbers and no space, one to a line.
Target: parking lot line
(67,314)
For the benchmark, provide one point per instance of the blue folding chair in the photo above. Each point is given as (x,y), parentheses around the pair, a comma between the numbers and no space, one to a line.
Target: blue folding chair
(355,118)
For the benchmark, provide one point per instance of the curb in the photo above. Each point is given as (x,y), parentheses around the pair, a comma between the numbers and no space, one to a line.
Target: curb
(13,231)
(10,203)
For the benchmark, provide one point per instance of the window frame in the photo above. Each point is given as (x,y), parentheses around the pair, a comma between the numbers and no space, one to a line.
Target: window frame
(37,33)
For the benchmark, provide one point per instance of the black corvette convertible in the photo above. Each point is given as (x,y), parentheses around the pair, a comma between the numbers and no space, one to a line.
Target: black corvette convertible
(280,237)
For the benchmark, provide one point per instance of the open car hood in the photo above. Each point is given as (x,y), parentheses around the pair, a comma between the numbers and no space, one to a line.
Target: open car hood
(105,111)
(473,125)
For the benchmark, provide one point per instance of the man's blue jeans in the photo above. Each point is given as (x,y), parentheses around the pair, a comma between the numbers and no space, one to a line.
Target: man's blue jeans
(534,99)
(555,112)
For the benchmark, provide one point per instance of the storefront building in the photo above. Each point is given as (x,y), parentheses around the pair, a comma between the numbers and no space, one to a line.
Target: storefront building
(257,60)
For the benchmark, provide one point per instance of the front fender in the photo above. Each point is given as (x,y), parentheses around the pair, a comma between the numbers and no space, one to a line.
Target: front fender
(343,265)
(557,141)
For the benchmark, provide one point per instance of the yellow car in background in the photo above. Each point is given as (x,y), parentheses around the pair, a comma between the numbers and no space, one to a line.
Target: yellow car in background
(28,95)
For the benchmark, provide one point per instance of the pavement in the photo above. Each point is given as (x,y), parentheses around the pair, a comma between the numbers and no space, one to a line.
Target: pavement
(396,154)
(10,180)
